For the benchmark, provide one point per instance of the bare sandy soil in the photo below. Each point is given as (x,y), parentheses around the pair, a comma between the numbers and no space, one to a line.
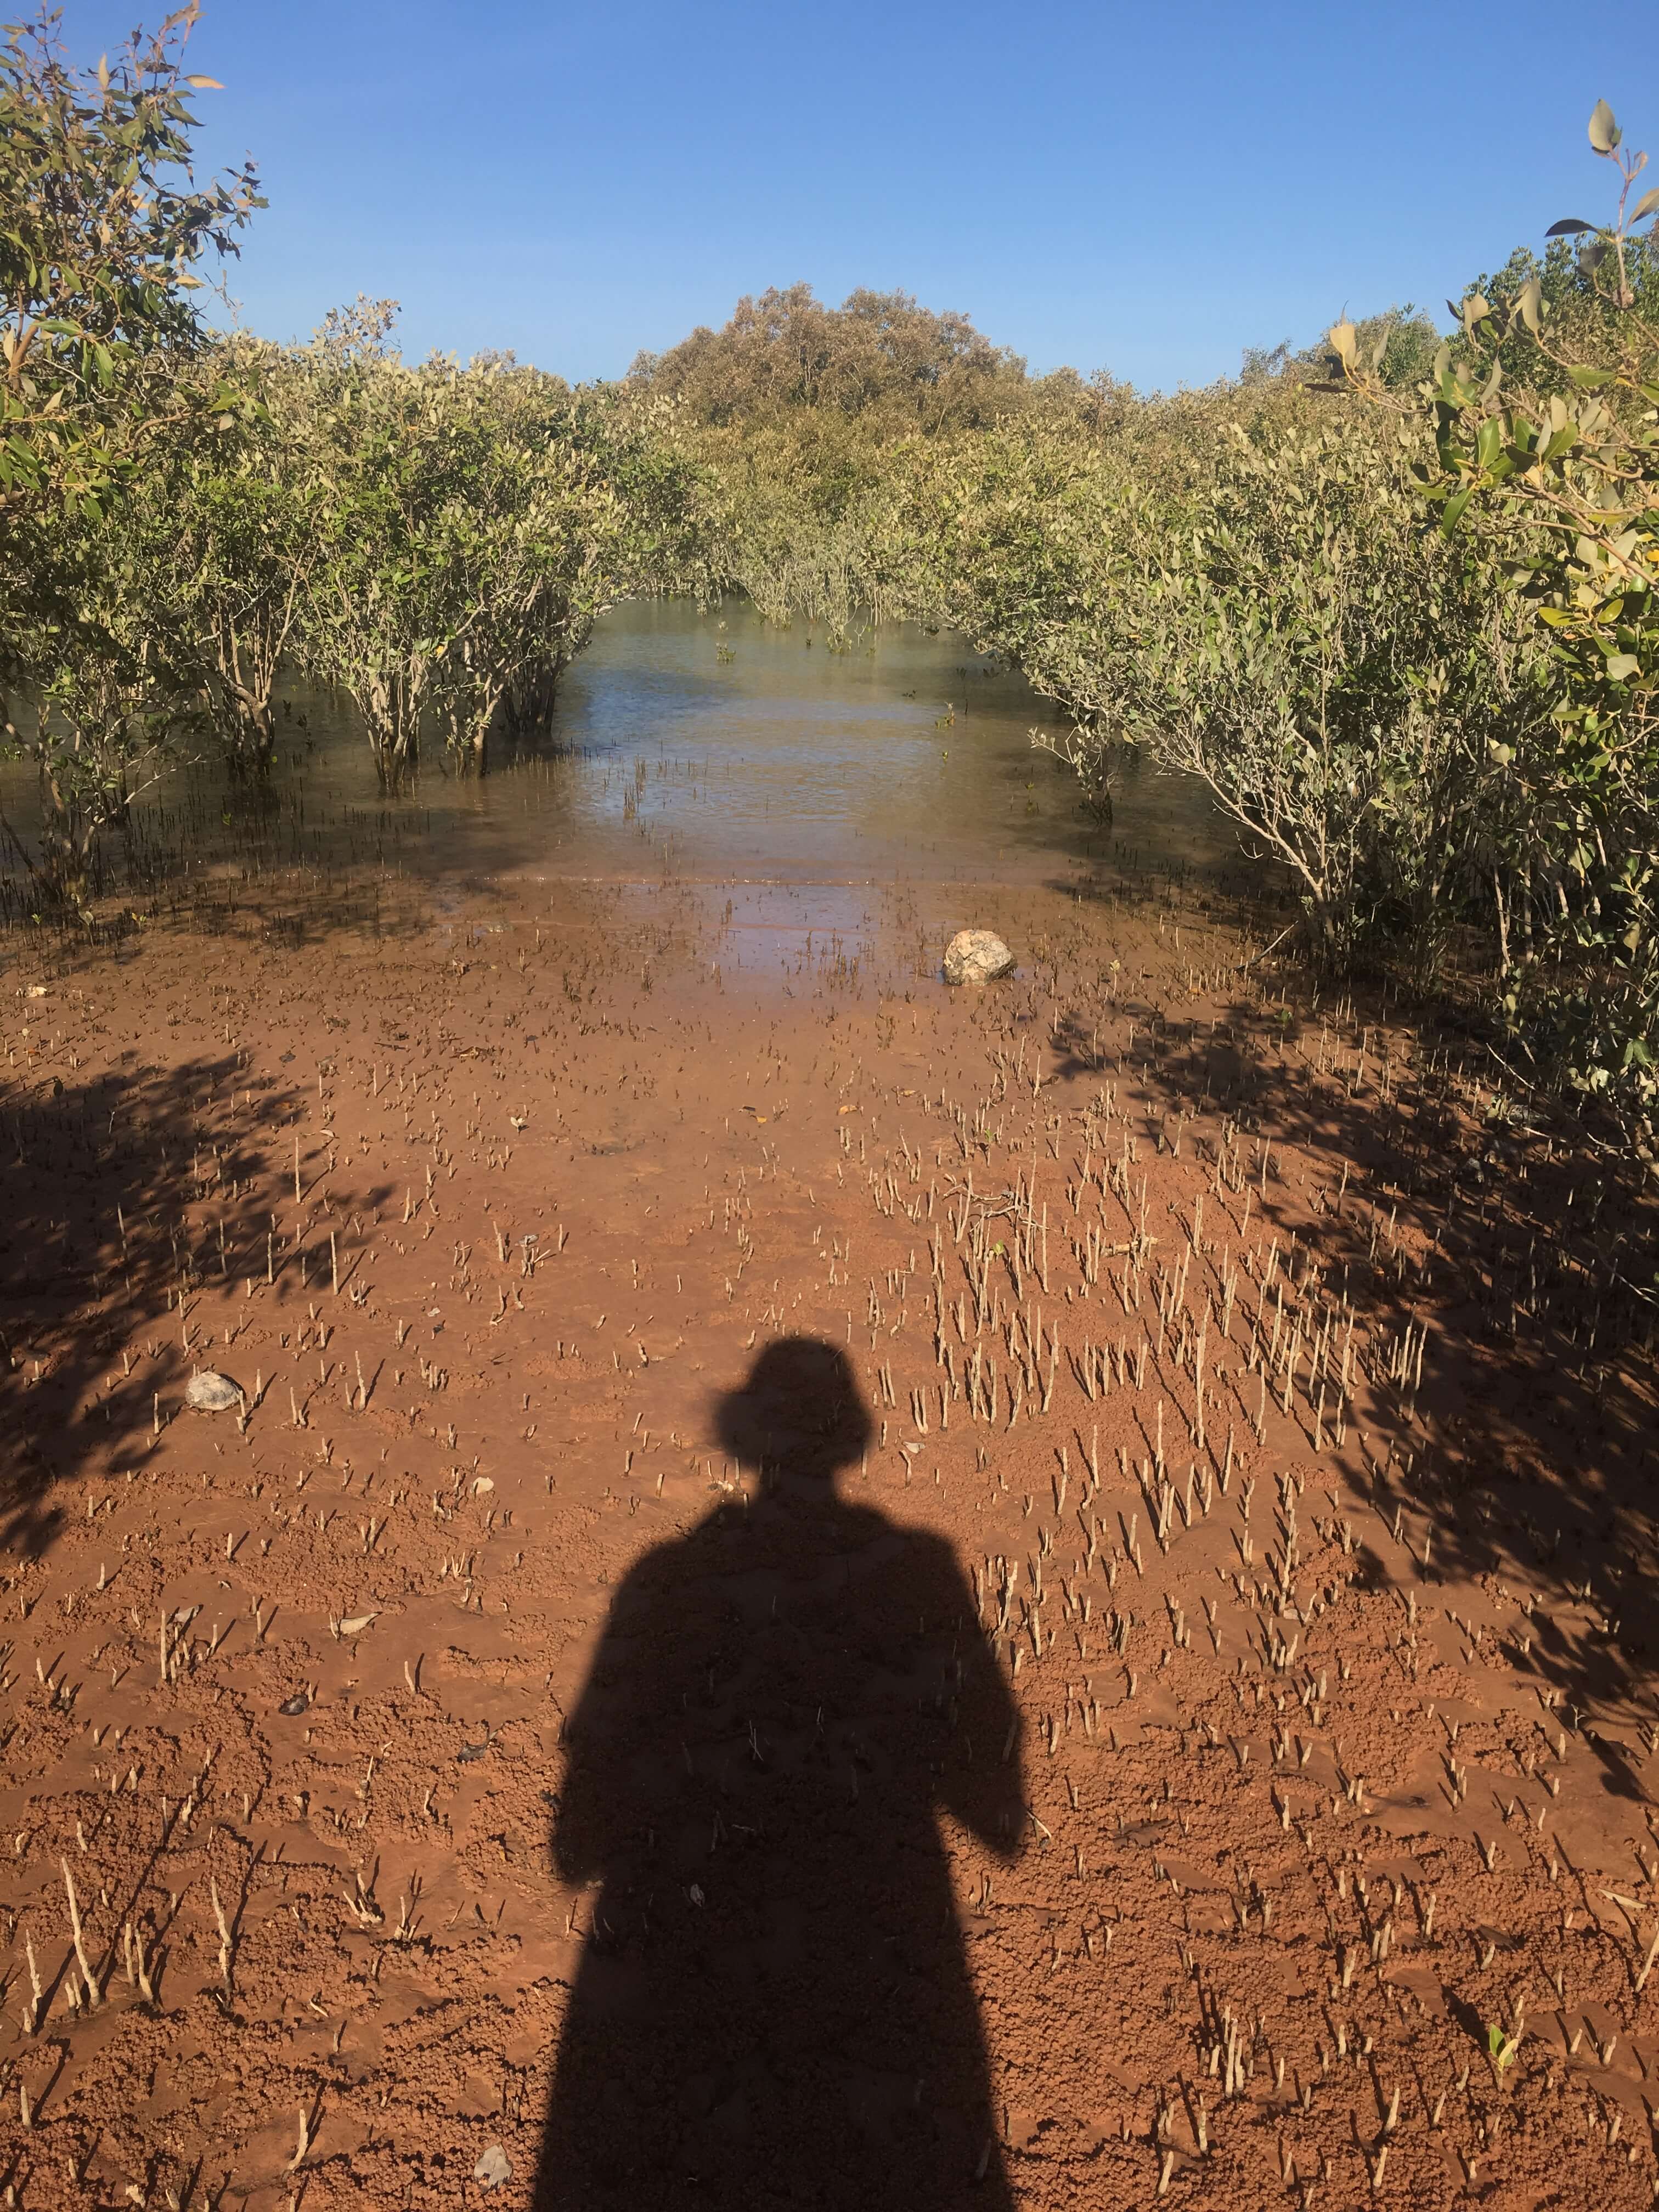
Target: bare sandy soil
(820,1591)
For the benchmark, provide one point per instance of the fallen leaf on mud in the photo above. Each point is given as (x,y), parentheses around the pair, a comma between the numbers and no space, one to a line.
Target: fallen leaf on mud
(494,2168)
(480,1484)
(358,1622)
(37,990)
(473,1750)
(294,1707)
(846,1109)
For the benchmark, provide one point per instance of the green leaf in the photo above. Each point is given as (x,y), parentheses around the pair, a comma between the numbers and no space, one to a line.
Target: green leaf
(1647,205)
(1604,132)
(1452,514)
(1591,380)
(1570,228)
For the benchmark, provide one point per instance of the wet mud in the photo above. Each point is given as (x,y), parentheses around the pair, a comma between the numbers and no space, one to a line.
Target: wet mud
(820,1590)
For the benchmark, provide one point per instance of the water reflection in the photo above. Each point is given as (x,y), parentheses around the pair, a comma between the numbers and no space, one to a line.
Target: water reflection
(702,746)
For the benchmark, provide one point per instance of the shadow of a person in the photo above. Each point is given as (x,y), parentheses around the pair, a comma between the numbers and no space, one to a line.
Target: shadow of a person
(773,2006)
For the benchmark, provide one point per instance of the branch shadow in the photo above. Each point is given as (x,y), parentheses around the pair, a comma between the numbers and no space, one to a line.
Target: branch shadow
(1520,1448)
(117,1198)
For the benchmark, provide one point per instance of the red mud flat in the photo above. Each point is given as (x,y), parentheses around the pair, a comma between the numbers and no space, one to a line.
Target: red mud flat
(822,1592)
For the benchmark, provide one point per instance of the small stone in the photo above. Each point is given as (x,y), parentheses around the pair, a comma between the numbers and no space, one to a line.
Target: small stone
(974,956)
(211,1393)
(494,2168)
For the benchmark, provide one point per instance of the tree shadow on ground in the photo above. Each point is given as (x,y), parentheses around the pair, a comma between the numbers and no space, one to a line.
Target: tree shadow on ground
(773,2006)
(1519,1444)
(119,1198)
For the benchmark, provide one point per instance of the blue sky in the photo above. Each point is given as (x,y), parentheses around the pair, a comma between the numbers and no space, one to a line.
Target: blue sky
(1147,188)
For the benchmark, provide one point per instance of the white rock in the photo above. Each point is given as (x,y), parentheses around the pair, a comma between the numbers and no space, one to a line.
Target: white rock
(974,956)
(494,2168)
(211,1393)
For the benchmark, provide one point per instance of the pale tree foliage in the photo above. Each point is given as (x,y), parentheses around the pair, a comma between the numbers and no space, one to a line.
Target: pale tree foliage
(101,226)
(1244,592)
(1343,687)
(802,413)
(243,510)
(1545,469)
(116,691)
(476,522)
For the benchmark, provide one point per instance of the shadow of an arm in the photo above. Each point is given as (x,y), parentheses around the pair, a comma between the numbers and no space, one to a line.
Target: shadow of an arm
(983,1785)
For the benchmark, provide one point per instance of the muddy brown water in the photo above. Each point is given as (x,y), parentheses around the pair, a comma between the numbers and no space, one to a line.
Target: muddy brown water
(702,745)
